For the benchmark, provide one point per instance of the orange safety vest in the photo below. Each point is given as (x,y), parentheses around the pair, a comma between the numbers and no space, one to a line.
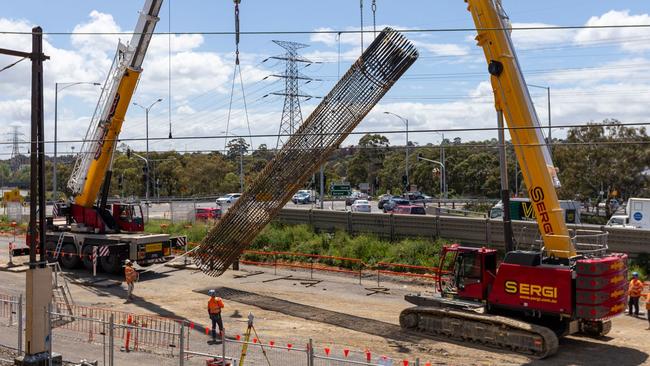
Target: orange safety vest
(215,304)
(130,274)
(636,288)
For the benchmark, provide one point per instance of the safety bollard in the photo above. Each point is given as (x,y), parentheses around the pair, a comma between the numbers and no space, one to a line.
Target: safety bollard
(128,333)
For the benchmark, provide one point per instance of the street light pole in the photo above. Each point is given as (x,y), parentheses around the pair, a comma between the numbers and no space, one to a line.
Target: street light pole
(56,121)
(443,176)
(406,161)
(146,113)
(442,170)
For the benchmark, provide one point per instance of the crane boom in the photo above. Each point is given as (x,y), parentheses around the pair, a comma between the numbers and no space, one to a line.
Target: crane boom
(94,158)
(513,99)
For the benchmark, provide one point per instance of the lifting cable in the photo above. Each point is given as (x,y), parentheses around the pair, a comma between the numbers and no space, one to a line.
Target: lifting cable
(237,70)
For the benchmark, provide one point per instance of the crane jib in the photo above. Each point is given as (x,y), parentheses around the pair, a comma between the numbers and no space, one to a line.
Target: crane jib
(537,196)
(111,113)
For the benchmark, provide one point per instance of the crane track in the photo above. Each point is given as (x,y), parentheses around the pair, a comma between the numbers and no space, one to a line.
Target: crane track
(489,330)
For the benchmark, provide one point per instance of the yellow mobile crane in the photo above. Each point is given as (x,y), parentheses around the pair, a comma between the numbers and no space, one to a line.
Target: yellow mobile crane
(532,297)
(116,230)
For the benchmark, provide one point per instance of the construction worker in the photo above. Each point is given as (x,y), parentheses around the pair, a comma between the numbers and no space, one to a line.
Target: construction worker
(215,304)
(634,291)
(130,275)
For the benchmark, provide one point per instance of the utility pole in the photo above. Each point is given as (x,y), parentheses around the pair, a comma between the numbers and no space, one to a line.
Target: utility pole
(15,148)
(39,275)
(291,113)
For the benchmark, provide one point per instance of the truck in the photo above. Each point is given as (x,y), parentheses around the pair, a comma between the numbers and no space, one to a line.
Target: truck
(87,227)
(525,302)
(637,215)
(522,209)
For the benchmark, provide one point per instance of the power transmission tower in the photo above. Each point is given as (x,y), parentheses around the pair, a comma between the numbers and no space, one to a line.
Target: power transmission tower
(291,114)
(15,148)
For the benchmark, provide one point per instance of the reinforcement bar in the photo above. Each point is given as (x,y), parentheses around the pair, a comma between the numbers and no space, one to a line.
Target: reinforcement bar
(351,99)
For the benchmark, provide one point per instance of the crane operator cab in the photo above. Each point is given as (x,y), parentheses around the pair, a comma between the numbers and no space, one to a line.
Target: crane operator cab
(128,217)
(466,273)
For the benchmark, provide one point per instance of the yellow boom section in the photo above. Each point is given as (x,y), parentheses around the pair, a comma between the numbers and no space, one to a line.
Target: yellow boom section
(102,158)
(512,98)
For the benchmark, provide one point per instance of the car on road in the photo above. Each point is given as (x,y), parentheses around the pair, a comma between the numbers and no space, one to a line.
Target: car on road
(301,197)
(409,210)
(206,213)
(394,202)
(349,200)
(418,197)
(228,199)
(360,206)
(382,200)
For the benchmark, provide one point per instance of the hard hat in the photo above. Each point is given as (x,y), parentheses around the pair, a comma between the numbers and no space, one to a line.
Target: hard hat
(127,262)
(212,292)
(635,274)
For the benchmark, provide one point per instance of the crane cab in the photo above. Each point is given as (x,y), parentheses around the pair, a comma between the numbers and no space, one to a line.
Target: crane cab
(466,273)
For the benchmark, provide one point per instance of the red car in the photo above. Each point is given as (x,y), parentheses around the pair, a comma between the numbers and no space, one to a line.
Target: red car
(409,210)
(208,213)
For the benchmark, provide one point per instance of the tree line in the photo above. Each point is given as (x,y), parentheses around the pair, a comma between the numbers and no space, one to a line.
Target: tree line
(606,157)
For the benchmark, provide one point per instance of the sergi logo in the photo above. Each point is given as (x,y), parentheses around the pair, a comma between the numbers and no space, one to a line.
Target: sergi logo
(529,291)
(537,196)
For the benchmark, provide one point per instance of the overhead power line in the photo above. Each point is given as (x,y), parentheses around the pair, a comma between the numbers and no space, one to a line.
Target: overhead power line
(348,31)
(384,132)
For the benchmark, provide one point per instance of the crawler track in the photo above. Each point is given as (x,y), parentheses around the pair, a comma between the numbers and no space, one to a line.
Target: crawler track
(489,330)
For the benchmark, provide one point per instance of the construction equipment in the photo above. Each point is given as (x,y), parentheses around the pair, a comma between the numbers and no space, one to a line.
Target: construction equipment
(117,228)
(570,285)
(367,81)
(250,329)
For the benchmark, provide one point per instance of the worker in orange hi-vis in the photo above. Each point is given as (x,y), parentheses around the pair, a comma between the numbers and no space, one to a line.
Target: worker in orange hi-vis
(215,304)
(131,276)
(634,292)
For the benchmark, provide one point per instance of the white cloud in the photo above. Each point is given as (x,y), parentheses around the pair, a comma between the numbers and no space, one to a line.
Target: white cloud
(523,38)
(444,49)
(102,24)
(629,39)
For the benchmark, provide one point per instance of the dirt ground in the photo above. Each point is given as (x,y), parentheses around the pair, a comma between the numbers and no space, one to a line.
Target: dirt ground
(343,313)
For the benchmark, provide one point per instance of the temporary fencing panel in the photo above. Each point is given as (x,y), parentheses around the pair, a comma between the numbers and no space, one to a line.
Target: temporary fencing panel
(135,332)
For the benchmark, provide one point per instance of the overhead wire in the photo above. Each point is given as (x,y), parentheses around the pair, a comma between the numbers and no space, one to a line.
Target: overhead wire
(347,31)
(387,132)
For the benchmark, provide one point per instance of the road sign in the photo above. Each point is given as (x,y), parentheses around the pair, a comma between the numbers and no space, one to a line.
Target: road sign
(340,189)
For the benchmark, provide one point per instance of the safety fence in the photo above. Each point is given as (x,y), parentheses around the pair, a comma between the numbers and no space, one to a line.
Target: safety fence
(136,331)
(170,338)
(327,263)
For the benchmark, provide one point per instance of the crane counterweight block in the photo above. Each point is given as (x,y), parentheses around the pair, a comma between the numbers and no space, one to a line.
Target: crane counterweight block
(351,99)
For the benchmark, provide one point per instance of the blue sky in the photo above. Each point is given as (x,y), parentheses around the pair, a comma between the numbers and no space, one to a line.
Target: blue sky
(593,74)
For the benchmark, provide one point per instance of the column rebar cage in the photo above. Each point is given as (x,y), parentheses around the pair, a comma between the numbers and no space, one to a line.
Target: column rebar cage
(351,99)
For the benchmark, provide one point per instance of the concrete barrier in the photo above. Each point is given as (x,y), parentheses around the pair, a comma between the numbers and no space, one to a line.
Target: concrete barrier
(466,230)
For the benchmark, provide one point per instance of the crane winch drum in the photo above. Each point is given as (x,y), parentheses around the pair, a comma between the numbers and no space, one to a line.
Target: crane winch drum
(351,99)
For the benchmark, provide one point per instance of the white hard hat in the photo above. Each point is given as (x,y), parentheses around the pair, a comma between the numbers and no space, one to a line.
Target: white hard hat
(212,292)
(127,262)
